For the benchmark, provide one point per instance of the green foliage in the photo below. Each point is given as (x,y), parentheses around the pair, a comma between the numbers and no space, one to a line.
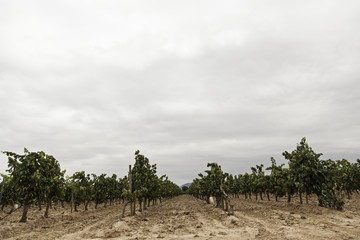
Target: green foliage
(9,194)
(304,166)
(312,175)
(209,184)
(35,176)
(329,180)
(83,188)
(146,184)
(100,188)
(277,180)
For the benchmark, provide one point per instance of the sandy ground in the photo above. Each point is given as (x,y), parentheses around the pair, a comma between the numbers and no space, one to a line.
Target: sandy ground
(185,217)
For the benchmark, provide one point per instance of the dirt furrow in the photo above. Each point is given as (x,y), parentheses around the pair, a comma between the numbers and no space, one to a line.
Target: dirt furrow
(186,217)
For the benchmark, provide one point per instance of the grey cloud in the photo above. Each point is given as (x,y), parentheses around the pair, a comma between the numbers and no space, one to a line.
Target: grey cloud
(233,83)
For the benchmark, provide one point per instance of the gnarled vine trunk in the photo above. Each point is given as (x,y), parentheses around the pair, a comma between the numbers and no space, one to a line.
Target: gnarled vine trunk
(144,202)
(47,209)
(227,199)
(25,211)
(140,204)
(86,205)
(2,189)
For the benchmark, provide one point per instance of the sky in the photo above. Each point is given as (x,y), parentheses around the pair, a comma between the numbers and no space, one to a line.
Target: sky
(185,82)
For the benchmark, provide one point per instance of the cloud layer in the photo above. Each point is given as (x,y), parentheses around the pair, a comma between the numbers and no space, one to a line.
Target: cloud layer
(186,83)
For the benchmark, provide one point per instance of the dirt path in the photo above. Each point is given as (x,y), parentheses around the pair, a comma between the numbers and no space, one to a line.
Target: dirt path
(186,217)
(183,217)
(281,220)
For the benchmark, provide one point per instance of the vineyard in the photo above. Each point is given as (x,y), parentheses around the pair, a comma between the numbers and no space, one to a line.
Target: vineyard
(36,179)
(306,175)
(310,198)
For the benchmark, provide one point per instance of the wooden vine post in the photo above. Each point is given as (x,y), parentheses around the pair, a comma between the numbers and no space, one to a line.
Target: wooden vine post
(72,200)
(227,202)
(132,203)
(2,189)
(126,201)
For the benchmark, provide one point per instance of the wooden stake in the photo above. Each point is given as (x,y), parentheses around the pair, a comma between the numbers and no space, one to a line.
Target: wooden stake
(130,189)
(227,199)
(72,200)
(2,189)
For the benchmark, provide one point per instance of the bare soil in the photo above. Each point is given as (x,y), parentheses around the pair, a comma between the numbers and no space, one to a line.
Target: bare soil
(186,217)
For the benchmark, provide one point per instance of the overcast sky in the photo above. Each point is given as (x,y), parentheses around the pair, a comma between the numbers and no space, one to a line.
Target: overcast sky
(185,82)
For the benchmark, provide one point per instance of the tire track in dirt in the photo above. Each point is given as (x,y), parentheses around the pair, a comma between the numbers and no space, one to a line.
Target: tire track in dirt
(186,217)
(61,222)
(183,217)
(282,220)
